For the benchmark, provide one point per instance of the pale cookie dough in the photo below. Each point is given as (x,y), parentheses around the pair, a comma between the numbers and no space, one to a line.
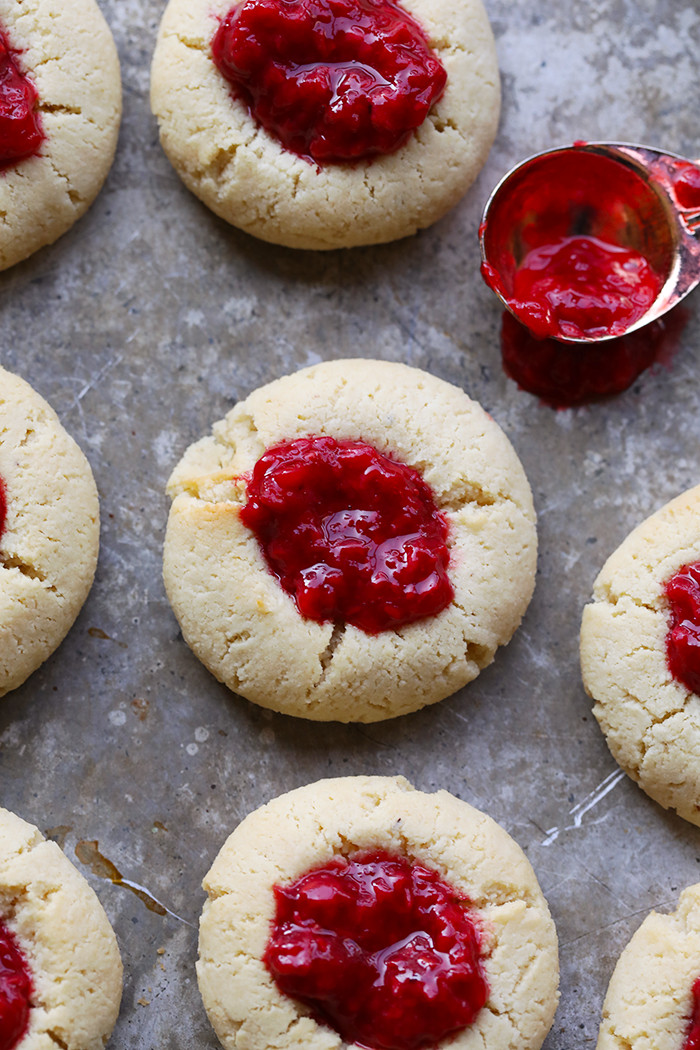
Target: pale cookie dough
(304,829)
(649,998)
(246,629)
(243,174)
(68,53)
(651,721)
(65,937)
(48,548)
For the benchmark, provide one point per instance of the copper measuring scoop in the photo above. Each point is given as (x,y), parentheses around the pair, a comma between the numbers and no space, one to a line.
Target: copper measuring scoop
(630,196)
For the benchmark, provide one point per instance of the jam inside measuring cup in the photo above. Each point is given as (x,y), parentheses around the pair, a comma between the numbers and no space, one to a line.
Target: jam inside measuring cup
(581,242)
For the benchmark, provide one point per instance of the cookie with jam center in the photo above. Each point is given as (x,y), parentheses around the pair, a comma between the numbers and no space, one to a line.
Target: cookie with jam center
(238,165)
(61,974)
(303,638)
(428,854)
(637,635)
(653,999)
(60,109)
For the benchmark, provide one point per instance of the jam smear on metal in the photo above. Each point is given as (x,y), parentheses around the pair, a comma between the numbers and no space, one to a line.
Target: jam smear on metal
(380,949)
(21,132)
(692,1035)
(683,639)
(332,80)
(579,286)
(684,179)
(15,991)
(353,536)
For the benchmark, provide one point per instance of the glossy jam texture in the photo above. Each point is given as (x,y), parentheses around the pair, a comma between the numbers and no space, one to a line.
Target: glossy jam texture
(683,639)
(380,949)
(692,1034)
(685,182)
(15,991)
(332,80)
(569,245)
(21,133)
(577,287)
(353,536)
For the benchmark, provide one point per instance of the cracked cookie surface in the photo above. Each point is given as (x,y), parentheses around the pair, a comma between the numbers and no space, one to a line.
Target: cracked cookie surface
(306,828)
(49,542)
(242,173)
(65,938)
(650,720)
(649,1000)
(246,629)
(67,50)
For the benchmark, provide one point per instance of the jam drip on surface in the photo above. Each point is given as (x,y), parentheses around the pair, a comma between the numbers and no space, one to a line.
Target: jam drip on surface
(332,80)
(692,1035)
(577,287)
(21,133)
(683,638)
(380,949)
(15,991)
(564,374)
(352,535)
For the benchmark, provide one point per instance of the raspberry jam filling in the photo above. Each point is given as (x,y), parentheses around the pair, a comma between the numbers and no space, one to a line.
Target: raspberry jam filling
(692,1035)
(332,80)
(350,534)
(15,991)
(683,638)
(380,949)
(21,133)
(576,287)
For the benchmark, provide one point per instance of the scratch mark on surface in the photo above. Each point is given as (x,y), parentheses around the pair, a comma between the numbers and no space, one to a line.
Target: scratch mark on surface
(579,811)
(665,905)
(76,403)
(95,379)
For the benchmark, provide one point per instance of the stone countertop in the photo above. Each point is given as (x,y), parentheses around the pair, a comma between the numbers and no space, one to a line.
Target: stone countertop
(143,324)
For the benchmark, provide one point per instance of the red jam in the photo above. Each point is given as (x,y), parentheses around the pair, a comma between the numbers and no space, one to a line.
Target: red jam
(577,287)
(692,1035)
(683,638)
(381,950)
(352,535)
(21,133)
(563,375)
(686,185)
(15,991)
(333,80)
(681,179)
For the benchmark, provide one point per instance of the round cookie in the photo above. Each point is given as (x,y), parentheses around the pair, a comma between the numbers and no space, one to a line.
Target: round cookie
(242,173)
(650,998)
(50,536)
(306,828)
(65,938)
(67,51)
(650,720)
(246,629)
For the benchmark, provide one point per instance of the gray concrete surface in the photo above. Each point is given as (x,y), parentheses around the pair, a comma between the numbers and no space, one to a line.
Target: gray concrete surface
(143,324)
